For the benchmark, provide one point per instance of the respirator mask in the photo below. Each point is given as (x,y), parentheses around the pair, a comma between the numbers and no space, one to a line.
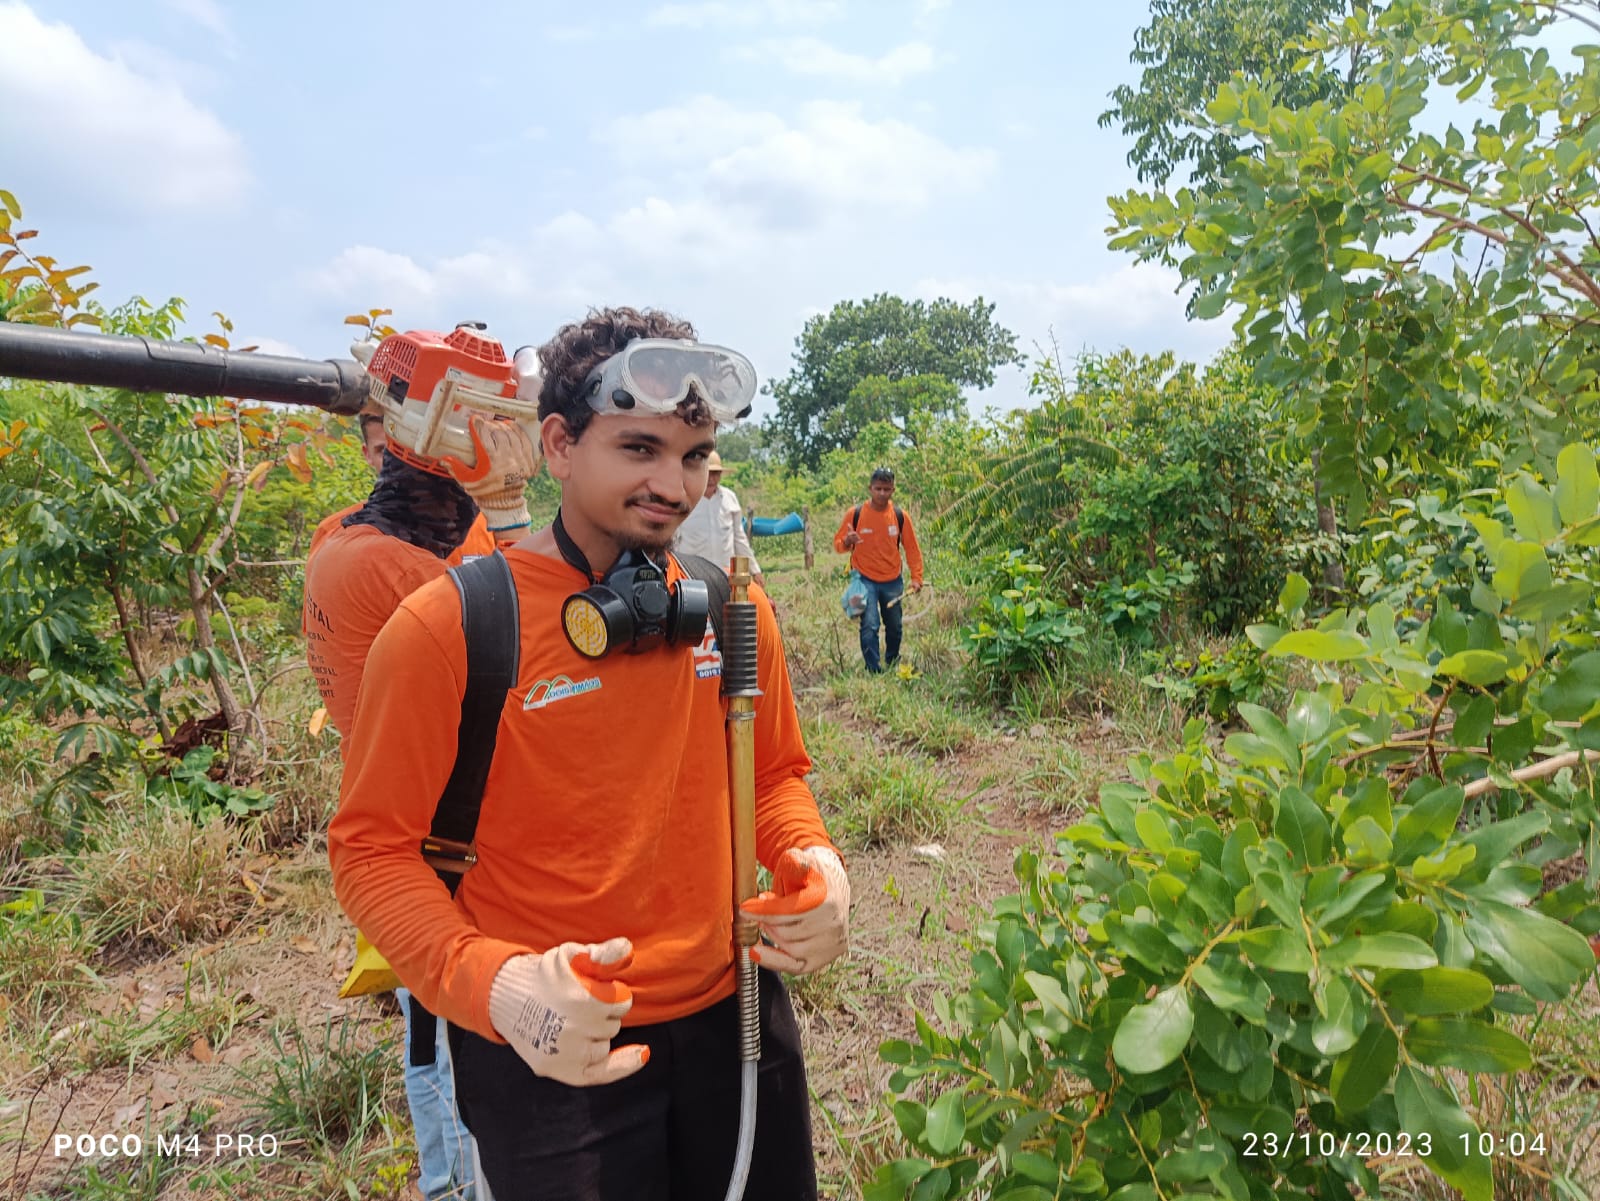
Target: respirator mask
(633,608)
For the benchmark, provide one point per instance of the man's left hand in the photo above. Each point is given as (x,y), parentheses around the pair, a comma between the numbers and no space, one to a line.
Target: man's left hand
(806,917)
(505,459)
(916,586)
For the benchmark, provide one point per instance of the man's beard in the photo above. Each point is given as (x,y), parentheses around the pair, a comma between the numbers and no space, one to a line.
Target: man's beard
(650,545)
(654,543)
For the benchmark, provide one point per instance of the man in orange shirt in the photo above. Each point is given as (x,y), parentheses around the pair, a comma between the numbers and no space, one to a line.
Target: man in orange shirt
(415,524)
(875,533)
(598,906)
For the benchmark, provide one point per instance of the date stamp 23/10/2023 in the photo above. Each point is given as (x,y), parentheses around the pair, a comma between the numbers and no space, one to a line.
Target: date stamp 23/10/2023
(1386,1144)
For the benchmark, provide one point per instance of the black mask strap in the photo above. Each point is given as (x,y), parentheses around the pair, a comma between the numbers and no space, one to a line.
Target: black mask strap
(573,553)
(570,551)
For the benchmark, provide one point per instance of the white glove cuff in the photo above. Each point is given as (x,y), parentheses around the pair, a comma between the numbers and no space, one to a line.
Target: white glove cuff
(500,520)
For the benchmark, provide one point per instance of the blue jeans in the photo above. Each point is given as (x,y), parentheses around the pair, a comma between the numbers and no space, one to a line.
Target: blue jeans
(878,612)
(444,1148)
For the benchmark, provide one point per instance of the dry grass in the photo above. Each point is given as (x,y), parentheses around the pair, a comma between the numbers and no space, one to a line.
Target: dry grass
(161,880)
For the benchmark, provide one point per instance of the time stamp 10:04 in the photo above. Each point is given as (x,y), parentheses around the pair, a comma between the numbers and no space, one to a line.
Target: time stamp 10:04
(1366,1144)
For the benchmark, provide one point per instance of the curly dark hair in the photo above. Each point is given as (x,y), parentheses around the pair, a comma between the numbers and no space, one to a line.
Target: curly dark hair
(581,346)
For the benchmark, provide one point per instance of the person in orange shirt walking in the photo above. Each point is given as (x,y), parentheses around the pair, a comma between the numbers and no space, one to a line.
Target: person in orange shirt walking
(875,534)
(584,963)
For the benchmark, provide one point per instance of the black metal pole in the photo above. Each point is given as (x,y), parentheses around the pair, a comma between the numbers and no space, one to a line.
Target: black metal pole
(187,368)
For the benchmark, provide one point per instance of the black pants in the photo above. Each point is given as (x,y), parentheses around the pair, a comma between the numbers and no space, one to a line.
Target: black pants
(666,1133)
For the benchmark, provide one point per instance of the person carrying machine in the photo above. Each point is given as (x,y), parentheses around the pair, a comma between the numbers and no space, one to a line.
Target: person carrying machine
(584,963)
(875,534)
(427,511)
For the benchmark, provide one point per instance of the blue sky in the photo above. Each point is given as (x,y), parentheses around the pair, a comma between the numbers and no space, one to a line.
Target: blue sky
(743,164)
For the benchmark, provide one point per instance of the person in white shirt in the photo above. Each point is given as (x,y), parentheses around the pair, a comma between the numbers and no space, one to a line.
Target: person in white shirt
(715,529)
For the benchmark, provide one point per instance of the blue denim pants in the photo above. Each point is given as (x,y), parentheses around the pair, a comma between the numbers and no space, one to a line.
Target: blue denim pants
(880,612)
(444,1148)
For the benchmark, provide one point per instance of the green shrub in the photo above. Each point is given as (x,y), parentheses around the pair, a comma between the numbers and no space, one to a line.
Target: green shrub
(1018,628)
(1238,973)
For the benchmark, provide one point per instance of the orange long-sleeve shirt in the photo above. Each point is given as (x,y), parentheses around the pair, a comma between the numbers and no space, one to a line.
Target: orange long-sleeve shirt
(605,813)
(877,555)
(356,577)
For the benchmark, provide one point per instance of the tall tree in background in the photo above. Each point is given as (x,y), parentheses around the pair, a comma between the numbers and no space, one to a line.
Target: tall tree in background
(1192,47)
(876,360)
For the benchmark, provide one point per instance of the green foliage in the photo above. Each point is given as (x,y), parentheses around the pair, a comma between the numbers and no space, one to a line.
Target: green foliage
(883,359)
(128,505)
(34,288)
(197,785)
(1316,932)
(1415,286)
(1139,462)
(1137,610)
(1018,628)
(1187,50)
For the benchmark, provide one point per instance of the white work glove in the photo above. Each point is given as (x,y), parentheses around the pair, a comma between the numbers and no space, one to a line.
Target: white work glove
(806,917)
(505,459)
(560,1011)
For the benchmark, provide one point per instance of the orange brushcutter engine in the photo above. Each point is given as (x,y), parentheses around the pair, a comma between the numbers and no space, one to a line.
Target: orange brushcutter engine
(428,385)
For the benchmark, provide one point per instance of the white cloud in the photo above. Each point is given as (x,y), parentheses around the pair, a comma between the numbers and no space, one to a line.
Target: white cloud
(1134,305)
(209,16)
(823,169)
(1130,297)
(274,346)
(745,15)
(689,133)
(812,56)
(112,132)
(365,274)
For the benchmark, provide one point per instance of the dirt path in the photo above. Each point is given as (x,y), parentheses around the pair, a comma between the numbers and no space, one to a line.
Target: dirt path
(276,970)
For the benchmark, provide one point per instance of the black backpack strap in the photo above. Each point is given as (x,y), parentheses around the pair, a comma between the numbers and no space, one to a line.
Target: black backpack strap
(489,621)
(855,518)
(717,585)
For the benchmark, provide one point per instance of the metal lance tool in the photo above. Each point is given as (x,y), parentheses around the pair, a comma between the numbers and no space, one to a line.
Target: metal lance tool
(740,688)
(186,368)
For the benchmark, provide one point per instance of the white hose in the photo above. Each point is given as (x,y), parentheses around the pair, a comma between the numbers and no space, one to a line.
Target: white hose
(747,1131)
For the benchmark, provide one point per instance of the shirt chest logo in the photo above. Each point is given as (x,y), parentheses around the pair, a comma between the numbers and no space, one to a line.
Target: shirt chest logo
(548,692)
(707,656)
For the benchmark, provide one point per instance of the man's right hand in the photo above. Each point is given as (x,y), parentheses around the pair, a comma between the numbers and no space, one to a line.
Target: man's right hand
(560,1010)
(850,539)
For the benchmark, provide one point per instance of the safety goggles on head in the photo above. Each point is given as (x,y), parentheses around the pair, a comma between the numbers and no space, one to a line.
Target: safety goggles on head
(655,375)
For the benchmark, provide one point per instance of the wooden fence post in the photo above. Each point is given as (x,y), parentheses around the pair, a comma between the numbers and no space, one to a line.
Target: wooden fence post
(805,517)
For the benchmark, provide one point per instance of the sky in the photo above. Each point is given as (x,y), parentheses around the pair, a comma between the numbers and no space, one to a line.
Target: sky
(744,164)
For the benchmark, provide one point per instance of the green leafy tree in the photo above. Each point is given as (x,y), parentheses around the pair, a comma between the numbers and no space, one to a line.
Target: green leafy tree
(1136,462)
(874,360)
(1191,47)
(121,505)
(1423,291)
